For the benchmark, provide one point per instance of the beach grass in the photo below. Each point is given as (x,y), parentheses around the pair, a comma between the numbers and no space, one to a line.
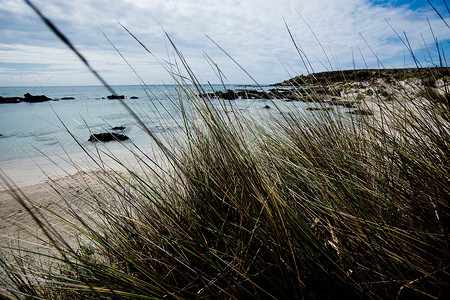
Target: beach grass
(327,206)
(295,206)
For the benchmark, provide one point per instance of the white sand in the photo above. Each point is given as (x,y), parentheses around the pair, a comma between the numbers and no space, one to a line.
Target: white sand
(61,189)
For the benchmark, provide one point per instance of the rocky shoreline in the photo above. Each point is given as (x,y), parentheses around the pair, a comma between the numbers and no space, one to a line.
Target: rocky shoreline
(347,88)
(26,98)
(42,98)
(351,88)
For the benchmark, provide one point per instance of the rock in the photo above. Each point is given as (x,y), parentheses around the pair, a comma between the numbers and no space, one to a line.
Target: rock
(9,100)
(68,98)
(361,112)
(33,99)
(134,97)
(116,97)
(107,137)
(229,95)
(119,128)
(267,107)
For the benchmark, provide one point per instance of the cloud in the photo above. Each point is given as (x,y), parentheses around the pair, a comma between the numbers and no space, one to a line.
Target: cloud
(252,31)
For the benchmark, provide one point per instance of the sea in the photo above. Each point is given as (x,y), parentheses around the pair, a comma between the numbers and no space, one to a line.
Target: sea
(37,136)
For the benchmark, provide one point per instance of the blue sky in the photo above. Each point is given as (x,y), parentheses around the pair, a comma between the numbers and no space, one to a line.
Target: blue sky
(351,33)
(412,4)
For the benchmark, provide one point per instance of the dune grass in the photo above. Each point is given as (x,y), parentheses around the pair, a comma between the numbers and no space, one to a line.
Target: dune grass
(329,206)
(318,205)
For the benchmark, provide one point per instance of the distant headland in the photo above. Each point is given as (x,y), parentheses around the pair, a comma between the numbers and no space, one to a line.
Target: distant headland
(348,87)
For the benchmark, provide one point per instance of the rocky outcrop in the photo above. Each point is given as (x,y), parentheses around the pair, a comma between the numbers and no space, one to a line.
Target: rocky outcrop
(310,93)
(134,97)
(352,88)
(30,99)
(228,95)
(324,78)
(107,137)
(121,128)
(116,97)
(33,99)
(9,99)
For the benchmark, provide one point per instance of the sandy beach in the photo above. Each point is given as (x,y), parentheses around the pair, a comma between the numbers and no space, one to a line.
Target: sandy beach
(54,188)
(55,200)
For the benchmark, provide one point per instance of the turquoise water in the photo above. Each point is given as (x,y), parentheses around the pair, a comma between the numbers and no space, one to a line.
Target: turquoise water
(30,129)
(33,129)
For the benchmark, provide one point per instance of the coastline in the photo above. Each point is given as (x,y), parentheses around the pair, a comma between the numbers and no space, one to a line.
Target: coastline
(25,172)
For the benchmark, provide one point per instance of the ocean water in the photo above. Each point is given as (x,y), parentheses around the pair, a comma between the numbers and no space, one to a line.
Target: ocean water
(31,131)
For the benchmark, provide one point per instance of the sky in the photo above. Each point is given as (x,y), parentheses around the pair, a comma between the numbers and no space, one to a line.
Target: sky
(271,40)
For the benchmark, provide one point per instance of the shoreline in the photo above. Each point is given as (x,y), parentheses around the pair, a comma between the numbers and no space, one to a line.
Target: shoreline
(25,172)
(56,195)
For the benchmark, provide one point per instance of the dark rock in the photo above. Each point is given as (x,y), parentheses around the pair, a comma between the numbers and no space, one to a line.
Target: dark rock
(293,95)
(33,99)
(229,95)
(68,98)
(9,100)
(134,97)
(284,94)
(306,94)
(267,107)
(116,97)
(207,95)
(249,94)
(361,112)
(119,128)
(107,137)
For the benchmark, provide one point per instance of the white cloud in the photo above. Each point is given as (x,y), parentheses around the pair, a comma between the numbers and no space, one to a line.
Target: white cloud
(252,31)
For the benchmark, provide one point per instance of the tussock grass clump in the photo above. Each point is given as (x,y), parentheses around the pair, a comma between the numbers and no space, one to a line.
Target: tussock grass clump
(327,206)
